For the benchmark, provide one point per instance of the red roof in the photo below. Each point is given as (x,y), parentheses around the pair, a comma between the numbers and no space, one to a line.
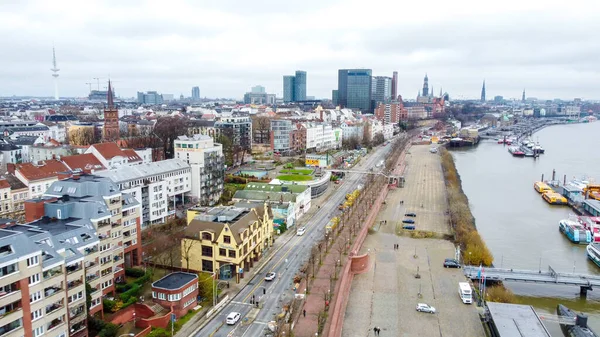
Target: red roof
(84,162)
(46,169)
(131,155)
(108,150)
(4,183)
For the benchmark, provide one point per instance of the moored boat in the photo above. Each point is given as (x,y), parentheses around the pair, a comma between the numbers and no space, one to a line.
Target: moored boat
(575,231)
(579,328)
(554,198)
(593,252)
(515,151)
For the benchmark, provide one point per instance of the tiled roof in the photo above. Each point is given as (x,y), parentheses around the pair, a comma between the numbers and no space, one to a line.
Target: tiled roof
(15,183)
(131,155)
(108,150)
(84,162)
(48,169)
(4,183)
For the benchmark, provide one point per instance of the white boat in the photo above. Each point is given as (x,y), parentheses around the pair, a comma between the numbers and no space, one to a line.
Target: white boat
(593,252)
(537,148)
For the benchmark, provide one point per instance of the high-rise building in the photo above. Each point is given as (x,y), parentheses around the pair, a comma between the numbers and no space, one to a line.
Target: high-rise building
(395,86)
(288,88)
(425,86)
(207,162)
(258,89)
(195,94)
(111,118)
(381,89)
(483,92)
(354,88)
(55,71)
(238,129)
(334,97)
(300,86)
(280,135)
(523,98)
(149,98)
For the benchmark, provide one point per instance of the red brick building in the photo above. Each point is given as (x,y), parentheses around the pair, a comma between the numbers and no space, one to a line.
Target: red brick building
(177,290)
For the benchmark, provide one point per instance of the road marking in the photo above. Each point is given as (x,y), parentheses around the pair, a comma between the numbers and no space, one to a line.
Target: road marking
(240,303)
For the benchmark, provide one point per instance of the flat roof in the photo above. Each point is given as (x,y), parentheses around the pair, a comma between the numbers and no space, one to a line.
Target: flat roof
(595,204)
(516,320)
(174,281)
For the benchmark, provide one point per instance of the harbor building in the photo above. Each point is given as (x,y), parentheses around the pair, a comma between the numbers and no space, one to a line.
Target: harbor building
(509,320)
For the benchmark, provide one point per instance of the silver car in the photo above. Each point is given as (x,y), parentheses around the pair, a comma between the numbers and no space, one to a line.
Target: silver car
(270,276)
(422,307)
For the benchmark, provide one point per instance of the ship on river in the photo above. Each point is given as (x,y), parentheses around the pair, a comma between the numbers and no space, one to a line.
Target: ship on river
(579,329)
(575,231)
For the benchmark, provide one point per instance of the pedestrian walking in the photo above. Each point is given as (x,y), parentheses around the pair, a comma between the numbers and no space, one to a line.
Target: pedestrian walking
(375,331)
(378,331)
(304,312)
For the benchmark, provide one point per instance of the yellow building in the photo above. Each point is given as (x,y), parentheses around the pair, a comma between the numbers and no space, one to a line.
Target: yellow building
(226,240)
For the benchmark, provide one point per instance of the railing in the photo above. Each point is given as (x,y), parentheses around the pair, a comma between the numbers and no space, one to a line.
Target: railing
(103,223)
(51,291)
(15,309)
(48,274)
(10,327)
(103,237)
(12,289)
(53,307)
(74,284)
(78,312)
(89,278)
(89,251)
(77,327)
(73,268)
(91,264)
(55,323)
(115,225)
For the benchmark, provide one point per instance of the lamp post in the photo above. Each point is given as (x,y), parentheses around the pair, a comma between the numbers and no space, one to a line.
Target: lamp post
(127,334)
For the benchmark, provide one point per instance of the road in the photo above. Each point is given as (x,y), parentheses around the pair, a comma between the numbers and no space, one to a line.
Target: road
(286,264)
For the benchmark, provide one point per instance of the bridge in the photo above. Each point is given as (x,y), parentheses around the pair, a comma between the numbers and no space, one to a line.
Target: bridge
(584,281)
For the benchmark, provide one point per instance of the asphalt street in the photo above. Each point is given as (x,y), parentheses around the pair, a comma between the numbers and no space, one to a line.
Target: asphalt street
(286,264)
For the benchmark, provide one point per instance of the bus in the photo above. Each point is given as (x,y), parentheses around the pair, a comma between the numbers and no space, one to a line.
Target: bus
(465,292)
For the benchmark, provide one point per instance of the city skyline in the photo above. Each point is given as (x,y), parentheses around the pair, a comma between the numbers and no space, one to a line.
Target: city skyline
(457,44)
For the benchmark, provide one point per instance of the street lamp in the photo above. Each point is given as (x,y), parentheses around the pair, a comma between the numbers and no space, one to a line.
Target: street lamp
(127,334)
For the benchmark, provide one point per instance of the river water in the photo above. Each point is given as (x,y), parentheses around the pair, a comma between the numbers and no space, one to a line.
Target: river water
(518,226)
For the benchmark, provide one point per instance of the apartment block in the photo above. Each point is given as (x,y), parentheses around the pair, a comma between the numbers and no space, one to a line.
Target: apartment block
(238,128)
(206,160)
(114,217)
(226,240)
(157,186)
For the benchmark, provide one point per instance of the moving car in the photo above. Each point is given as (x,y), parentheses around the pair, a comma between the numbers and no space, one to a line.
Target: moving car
(233,317)
(451,263)
(301,231)
(411,215)
(408,221)
(422,307)
(270,276)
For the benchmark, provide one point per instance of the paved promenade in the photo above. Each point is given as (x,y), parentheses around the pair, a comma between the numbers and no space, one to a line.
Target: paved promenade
(386,296)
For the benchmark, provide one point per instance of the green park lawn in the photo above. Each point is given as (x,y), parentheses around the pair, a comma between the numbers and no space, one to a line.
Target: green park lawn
(294,177)
(298,171)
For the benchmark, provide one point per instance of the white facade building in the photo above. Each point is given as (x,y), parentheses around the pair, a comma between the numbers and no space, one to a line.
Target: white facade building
(388,131)
(350,130)
(158,186)
(206,160)
(322,137)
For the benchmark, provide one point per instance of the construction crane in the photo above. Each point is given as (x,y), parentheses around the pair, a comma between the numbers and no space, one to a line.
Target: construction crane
(90,84)
(98,81)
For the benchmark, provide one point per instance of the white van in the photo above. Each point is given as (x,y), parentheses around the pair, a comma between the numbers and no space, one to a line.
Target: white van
(301,231)
(232,318)
(465,292)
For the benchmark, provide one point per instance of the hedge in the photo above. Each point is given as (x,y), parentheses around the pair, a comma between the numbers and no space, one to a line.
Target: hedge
(134,272)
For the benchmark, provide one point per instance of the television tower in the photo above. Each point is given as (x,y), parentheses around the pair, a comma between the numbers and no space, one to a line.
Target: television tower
(55,74)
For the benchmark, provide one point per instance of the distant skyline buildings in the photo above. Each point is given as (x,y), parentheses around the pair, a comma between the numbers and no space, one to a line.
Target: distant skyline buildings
(354,89)
(294,87)
(395,85)
(149,98)
(195,94)
(483,92)
(381,90)
(55,75)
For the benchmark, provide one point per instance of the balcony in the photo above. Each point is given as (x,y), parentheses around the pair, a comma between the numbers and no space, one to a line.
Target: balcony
(91,277)
(106,272)
(51,291)
(73,268)
(9,293)
(115,225)
(77,327)
(12,326)
(103,237)
(48,274)
(7,310)
(55,323)
(89,251)
(127,244)
(76,312)
(117,258)
(103,223)
(74,284)
(54,306)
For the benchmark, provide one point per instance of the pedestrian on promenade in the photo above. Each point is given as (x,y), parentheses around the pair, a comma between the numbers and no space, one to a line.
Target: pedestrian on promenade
(304,312)
(375,331)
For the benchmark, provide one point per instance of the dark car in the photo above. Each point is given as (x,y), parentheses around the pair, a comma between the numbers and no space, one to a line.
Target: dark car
(408,221)
(451,263)
(411,214)
(409,227)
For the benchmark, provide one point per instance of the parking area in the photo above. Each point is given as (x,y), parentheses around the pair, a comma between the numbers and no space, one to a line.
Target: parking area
(386,296)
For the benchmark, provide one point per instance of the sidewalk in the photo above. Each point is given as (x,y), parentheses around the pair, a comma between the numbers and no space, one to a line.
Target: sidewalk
(200,318)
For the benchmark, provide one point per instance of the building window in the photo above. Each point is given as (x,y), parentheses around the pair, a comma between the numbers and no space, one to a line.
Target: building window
(34,279)
(222,252)
(37,314)
(207,265)
(33,261)
(232,253)
(38,331)
(174,297)
(206,236)
(207,251)
(36,296)
(189,302)
(226,239)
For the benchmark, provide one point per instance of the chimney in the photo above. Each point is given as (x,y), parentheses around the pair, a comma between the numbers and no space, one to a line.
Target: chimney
(63,175)
(75,176)
(10,168)
(34,208)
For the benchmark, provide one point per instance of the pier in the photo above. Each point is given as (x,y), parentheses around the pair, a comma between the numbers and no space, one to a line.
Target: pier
(584,281)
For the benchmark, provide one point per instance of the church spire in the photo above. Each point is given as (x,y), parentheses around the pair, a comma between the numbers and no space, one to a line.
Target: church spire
(523,98)
(109,97)
(483,92)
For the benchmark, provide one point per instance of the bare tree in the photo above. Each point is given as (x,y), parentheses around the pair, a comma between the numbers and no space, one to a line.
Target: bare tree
(168,129)
(261,128)
(82,136)
(186,247)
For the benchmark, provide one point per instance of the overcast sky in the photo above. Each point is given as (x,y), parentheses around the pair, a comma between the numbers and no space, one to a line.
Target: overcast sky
(549,47)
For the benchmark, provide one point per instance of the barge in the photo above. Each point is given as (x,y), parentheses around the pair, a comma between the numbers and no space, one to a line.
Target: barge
(575,231)
(554,198)
(579,328)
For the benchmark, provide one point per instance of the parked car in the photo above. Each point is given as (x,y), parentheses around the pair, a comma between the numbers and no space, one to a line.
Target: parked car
(301,231)
(409,227)
(422,307)
(408,221)
(451,263)
(233,317)
(270,276)
(411,214)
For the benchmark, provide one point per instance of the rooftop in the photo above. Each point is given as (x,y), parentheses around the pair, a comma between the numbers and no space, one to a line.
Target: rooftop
(175,281)
(265,195)
(595,204)
(516,320)
(45,169)
(84,162)
(266,187)
(125,174)
(109,150)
